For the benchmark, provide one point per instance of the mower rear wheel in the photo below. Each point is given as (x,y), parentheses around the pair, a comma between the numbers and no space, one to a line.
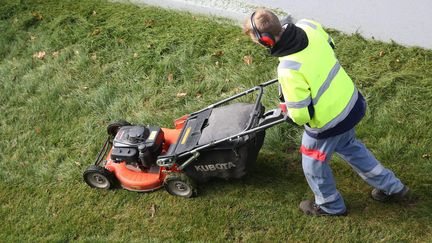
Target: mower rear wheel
(179,184)
(113,128)
(99,177)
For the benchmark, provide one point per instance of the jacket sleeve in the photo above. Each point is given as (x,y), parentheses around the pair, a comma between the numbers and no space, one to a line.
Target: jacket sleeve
(297,95)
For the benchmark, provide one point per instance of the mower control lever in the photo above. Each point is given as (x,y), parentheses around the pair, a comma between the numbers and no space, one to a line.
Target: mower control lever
(271,116)
(165,162)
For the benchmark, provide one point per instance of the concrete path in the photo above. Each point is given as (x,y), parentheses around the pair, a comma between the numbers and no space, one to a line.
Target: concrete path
(405,22)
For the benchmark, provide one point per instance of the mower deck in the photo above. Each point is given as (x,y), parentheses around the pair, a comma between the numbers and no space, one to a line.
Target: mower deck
(132,180)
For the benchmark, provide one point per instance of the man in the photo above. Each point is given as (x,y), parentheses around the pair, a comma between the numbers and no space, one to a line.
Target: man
(320,95)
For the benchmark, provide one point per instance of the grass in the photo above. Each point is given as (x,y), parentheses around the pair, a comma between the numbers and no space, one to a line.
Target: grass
(108,61)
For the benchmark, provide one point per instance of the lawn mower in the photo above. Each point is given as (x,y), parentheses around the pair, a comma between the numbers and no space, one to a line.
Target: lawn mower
(219,141)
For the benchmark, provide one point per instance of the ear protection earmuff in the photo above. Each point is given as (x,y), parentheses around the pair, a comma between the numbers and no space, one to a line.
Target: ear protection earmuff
(265,39)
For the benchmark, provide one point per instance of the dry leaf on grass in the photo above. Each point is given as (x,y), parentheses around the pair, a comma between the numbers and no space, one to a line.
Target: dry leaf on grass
(247,59)
(426,156)
(218,53)
(179,95)
(40,55)
(381,53)
(94,13)
(37,130)
(37,16)
(152,210)
(237,89)
(149,23)
(135,55)
(170,77)
(96,31)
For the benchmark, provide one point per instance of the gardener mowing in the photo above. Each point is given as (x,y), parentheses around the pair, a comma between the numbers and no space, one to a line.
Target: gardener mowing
(320,95)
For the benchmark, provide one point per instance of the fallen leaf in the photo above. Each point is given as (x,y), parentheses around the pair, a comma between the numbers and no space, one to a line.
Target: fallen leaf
(170,77)
(37,130)
(426,156)
(179,95)
(237,89)
(40,55)
(37,16)
(96,31)
(94,13)
(77,163)
(152,210)
(135,55)
(247,59)
(149,23)
(199,79)
(55,54)
(218,54)
(381,53)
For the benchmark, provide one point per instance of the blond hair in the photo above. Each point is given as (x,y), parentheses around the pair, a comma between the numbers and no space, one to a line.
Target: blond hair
(265,21)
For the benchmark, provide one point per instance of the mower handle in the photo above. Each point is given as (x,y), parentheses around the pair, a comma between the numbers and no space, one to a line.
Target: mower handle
(255,114)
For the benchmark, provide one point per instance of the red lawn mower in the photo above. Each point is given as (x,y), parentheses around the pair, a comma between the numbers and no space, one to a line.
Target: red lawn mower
(219,141)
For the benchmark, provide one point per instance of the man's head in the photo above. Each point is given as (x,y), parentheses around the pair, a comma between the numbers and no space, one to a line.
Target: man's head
(263,27)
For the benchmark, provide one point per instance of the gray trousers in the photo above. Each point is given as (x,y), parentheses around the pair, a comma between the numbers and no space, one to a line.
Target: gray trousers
(316,153)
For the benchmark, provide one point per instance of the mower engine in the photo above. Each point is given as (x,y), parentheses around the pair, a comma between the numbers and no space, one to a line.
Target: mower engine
(137,145)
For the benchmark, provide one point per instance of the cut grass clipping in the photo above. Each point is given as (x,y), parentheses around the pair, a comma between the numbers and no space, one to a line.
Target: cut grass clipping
(68,68)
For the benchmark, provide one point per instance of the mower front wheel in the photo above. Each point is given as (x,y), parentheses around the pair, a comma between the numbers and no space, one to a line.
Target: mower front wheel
(99,177)
(179,184)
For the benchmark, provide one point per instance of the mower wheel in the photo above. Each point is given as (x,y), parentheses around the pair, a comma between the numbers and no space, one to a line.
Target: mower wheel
(179,184)
(99,177)
(113,128)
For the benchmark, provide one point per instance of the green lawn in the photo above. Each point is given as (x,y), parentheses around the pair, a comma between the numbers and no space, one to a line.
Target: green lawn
(68,68)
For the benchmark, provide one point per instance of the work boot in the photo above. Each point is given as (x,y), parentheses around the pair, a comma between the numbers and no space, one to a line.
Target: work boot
(382,197)
(309,207)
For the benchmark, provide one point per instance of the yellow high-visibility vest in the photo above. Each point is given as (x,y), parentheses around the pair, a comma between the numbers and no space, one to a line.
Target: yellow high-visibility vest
(314,76)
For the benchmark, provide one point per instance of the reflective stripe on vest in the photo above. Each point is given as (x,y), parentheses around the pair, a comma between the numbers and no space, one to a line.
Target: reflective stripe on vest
(305,22)
(299,104)
(338,118)
(288,64)
(327,82)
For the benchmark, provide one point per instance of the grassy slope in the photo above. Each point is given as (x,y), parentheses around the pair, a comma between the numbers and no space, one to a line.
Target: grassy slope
(114,62)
